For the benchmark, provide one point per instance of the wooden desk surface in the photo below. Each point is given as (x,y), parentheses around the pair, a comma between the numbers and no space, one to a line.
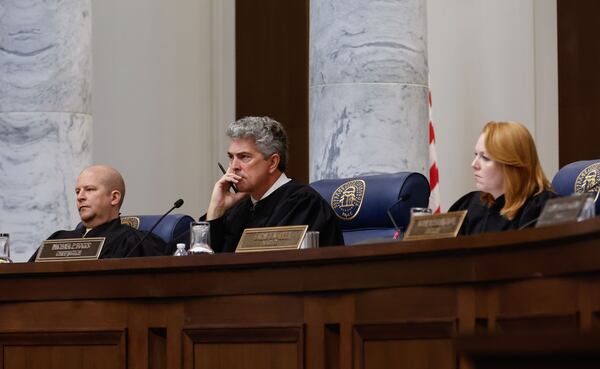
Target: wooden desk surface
(397,304)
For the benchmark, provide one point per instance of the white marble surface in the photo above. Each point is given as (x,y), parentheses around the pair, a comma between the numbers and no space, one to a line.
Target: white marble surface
(45,58)
(368,106)
(367,129)
(41,155)
(368,41)
(45,121)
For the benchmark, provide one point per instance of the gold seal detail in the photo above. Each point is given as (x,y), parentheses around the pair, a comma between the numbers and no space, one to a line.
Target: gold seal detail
(133,222)
(347,199)
(588,179)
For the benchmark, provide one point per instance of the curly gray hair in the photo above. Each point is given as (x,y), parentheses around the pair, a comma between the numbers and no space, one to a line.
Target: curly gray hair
(268,135)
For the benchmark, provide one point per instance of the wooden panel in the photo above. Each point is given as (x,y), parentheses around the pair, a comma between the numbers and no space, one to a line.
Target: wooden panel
(538,296)
(272,70)
(543,323)
(401,304)
(230,348)
(578,80)
(157,348)
(245,310)
(409,345)
(63,350)
(370,306)
(332,346)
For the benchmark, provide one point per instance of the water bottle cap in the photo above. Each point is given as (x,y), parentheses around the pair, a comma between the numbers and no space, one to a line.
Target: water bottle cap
(181,245)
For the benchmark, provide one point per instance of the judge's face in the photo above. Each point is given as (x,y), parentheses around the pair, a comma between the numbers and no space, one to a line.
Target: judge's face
(95,202)
(247,162)
(488,173)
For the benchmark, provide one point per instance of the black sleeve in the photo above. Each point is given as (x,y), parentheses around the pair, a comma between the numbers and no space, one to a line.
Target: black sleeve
(474,213)
(123,244)
(310,208)
(464,202)
(533,208)
(53,236)
(218,240)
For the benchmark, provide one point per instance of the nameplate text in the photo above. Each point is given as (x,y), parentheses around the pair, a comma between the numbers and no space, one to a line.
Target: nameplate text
(271,238)
(426,227)
(70,249)
(562,210)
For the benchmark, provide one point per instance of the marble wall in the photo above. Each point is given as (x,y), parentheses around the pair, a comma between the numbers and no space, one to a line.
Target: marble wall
(368,87)
(45,116)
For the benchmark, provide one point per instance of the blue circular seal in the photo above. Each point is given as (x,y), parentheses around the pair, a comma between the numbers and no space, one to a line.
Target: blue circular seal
(347,199)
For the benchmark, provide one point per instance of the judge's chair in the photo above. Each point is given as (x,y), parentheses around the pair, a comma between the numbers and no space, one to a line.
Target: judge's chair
(579,177)
(367,206)
(171,227)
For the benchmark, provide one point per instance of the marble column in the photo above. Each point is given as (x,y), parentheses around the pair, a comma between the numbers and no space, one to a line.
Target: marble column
(368,87)
(45,116)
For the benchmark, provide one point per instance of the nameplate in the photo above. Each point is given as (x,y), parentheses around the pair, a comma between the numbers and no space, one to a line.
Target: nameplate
(426,227)
(271,238)
(70,249)
(562,210)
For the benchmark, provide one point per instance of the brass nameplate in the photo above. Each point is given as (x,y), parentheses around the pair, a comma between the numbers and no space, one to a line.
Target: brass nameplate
(426,227)
(70,249)
(562,210)
(271,238)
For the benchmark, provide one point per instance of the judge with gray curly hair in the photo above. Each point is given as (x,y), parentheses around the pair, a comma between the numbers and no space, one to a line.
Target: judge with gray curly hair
(255,191)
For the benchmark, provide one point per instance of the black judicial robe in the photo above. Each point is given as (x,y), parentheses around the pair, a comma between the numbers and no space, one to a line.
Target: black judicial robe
(290,204)
(120,239)
(482,218)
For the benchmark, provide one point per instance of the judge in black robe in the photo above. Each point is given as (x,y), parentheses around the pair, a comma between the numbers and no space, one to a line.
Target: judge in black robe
(483,217)
(290,204)
(512,186)
(263,195)
(100,190)
(120,240)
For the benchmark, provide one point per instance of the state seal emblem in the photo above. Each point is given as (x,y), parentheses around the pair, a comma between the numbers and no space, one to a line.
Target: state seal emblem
(588,179)
(133,222)
(347,199)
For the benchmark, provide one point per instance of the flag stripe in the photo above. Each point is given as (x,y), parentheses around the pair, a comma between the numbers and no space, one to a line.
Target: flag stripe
(434,177)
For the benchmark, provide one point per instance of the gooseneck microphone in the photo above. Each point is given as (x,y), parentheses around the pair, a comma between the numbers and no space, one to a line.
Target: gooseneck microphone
(398,233)
(176,205)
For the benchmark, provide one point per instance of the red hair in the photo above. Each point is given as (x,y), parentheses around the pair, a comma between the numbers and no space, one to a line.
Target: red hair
(510,144)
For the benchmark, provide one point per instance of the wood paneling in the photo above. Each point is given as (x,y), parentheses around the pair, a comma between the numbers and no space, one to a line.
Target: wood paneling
(396,305)
(63,350)
(578,80)
(248,348)
(417,345)
(272,70)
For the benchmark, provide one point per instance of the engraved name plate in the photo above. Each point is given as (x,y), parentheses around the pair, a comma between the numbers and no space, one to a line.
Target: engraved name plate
(70,249)
(562,210)
(435,226)
(271,238)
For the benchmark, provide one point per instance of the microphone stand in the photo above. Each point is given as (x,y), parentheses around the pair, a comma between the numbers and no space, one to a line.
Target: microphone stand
(176,205)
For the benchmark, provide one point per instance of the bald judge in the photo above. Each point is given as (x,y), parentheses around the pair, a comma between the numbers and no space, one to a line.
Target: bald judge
(100,191)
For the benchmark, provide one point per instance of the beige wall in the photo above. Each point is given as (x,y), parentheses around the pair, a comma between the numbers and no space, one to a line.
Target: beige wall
(164,89)
(490,60)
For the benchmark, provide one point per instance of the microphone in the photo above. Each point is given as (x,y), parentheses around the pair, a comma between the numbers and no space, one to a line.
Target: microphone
(398,233)
(529,223)
(176,205)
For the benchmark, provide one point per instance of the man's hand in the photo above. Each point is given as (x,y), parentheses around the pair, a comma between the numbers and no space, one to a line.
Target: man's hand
(222,199)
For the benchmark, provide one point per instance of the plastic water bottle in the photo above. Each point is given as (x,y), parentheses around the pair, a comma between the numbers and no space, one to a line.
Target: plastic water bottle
(181,251)
(5,248)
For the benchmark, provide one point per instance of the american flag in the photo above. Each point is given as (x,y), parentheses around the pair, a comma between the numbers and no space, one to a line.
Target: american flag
(434,177)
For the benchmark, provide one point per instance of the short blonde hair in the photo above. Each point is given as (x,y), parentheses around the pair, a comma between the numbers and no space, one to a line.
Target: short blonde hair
(510,144)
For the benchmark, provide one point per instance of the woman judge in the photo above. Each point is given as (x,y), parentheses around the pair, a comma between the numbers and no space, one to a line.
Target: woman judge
(512,186)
